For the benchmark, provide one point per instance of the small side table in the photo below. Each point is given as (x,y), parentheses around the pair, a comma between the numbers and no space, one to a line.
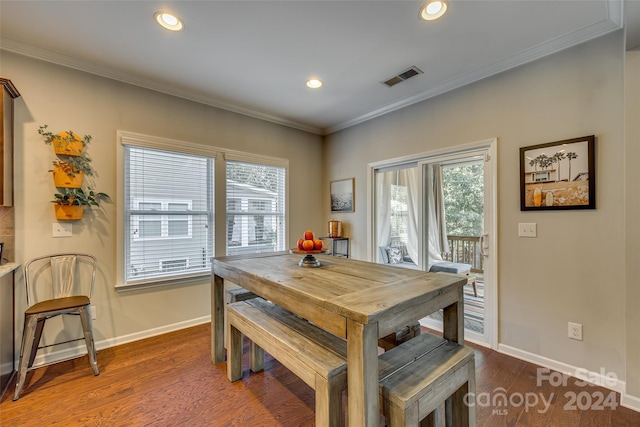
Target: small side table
(339,246)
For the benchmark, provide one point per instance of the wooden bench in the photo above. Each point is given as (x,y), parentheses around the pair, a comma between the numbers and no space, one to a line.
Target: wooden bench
(234,293)
(401,335)
(418,376)
(314,355)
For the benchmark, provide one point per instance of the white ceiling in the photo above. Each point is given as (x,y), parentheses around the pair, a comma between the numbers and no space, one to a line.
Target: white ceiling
(254,57)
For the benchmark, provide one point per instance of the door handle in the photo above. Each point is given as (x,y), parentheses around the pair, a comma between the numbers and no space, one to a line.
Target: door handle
(482,245)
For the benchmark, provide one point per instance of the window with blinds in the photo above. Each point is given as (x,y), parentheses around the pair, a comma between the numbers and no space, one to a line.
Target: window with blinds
(255,208)
(168,214)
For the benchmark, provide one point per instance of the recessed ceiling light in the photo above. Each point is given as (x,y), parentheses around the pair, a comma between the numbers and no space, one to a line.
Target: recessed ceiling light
(314,83)
(169,21)
(433,9)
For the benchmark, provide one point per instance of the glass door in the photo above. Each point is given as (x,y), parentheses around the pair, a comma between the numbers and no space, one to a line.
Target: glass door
(437,209)
(455,232)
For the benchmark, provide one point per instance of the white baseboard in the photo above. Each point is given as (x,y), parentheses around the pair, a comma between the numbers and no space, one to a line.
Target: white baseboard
(596,378)
(80,348)
(630,402)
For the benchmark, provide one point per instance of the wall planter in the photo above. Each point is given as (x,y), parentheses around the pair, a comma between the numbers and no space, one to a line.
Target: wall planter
(69,213)
(65,143)
(62,179)
(70,145)
(70,202)
(70,169)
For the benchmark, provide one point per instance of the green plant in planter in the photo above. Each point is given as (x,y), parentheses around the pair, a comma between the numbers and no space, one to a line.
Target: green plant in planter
(78,197)
(62,140)
(72,165)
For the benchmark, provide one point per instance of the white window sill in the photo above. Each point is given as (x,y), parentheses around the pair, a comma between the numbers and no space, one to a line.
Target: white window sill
(168,281)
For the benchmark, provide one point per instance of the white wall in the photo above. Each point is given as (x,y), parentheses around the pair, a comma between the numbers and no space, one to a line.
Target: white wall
(574,270)
(632,225)
(87,104)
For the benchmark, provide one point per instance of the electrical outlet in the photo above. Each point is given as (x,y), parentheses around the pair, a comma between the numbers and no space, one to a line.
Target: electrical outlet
(60,229)
(93,312)
(527,229)
(575,331)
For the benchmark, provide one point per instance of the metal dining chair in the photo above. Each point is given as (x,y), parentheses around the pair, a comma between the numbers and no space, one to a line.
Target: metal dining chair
(56,285)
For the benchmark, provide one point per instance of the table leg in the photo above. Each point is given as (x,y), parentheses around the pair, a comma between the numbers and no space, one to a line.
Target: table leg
(453,320)
(457,412)
(362,374)
(217,319)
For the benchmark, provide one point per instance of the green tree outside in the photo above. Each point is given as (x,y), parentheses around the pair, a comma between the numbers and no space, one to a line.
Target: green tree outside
(463,190)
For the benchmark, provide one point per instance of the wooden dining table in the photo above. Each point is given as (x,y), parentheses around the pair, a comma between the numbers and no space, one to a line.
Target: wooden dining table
(356,300)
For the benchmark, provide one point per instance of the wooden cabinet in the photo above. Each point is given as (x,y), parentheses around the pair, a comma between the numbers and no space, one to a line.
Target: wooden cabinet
(8,94)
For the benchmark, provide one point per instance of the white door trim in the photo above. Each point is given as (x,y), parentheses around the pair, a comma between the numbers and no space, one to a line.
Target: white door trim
(490,148)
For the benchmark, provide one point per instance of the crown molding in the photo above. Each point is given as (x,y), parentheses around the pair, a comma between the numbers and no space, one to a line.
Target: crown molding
(612,23)
(24,49)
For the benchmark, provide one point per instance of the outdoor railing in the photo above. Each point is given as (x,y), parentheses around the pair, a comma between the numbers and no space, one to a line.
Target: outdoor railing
(466,250)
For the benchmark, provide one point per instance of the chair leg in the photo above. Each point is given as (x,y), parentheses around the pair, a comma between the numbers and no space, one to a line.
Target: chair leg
(30,323)
(36,341)
(87,328)
(472,280)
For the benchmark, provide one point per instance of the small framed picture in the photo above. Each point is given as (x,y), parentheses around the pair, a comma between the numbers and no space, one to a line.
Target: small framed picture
(558,175)
(342,199)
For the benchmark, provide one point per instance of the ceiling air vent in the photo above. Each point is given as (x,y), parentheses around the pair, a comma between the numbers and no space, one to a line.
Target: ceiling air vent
(407,74)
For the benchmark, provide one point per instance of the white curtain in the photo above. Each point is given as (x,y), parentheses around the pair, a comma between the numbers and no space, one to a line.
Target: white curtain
(383,209)
(405,213)
(437,226)
(410,178)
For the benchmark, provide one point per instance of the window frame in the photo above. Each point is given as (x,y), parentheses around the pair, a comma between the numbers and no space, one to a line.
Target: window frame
(125,138)
(219,156)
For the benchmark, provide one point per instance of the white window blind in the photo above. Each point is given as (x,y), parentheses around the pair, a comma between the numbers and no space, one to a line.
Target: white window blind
(255,208)
(168,214)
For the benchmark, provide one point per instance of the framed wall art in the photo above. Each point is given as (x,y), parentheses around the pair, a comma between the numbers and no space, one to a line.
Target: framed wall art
(558,175)
(342,195)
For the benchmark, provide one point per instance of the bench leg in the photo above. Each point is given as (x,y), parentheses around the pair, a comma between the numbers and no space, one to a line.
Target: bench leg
(472,390)
(457,412)
(408,417)
(434,419)
(232,294)
(329,400)
(256,357)
(234,353)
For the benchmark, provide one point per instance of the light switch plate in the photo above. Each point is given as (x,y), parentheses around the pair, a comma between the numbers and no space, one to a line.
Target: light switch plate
(60,229)
(527,229)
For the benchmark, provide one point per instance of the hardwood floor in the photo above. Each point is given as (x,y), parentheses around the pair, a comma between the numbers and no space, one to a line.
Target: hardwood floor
(169,380)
